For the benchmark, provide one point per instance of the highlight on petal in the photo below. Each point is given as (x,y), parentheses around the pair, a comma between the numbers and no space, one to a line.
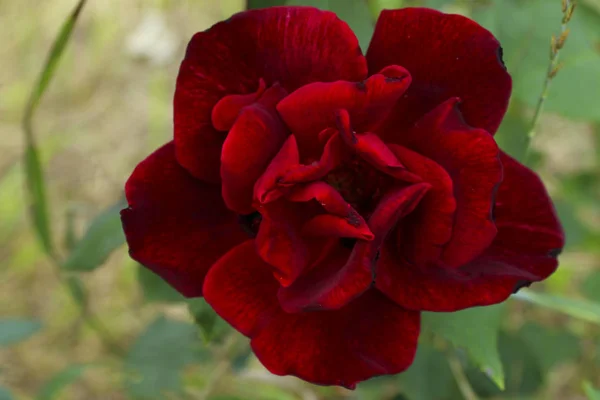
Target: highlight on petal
(176,225)
(447,56)
(325,347)
(255,138)
(290,45)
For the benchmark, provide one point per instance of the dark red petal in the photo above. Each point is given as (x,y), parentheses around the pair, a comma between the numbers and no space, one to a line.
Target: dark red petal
(447,56)
(226,111)
(267,187)
(279,241)
(290,45)
(471,158)
(524,251)
(370,336)
(175,225)
(424,232)
(529,233)
(437,289)
(341,278)
(310,109)
(372,149)
(255,138)
(332,156)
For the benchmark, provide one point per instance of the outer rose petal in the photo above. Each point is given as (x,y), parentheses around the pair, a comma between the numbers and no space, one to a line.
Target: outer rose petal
(175,225)
(524,251)
(447,56)
(370,336)
(290,45)
(471,158)
(255,138)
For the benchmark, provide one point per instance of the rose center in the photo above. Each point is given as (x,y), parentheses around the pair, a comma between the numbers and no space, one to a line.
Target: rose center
(360,184)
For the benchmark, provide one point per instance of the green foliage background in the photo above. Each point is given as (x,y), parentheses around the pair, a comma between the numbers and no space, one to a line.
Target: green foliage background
(80,320)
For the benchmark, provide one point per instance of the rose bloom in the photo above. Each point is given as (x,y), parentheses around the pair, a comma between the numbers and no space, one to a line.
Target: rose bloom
(320,199)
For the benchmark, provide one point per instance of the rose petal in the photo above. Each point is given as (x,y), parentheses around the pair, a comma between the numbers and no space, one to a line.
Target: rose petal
(290,45)
(370,336)
(311,108)
(524,251)
(255,138)
(447,56)
(471,158)
(424,232)
(226,111)
(341,278)
(267,187)
(175,225)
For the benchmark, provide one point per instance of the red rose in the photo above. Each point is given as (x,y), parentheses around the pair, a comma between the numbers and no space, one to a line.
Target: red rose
(320,199)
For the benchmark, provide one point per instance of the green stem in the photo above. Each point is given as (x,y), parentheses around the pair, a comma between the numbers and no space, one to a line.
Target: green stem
(459,375)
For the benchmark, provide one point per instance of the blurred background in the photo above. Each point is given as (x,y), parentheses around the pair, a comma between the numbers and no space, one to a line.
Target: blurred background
(89,323)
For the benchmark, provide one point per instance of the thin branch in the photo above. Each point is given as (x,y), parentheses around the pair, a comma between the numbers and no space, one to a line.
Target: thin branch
(556,45)
(459,375)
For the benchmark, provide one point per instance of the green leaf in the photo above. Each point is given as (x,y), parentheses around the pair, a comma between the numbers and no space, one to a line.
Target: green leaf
(564,346)
(78,290)
(474,329)
(429,376)
(523,373)
(5,394)
(33,171)
(591,393)
(580,309)
(36,189)
(264,3)
(210,324)
(524,29)
(591,286)
(103,236)
(357,15)
(158,356)
(155,289)
(512,133)
(13,330)
(53,388)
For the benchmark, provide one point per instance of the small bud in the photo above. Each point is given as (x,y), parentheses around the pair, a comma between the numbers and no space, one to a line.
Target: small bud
(565,5)
(555,70)
(561,39)
(553,48)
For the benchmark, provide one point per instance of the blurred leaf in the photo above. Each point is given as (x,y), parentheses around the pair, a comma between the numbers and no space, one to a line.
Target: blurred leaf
(376,6)
(70,237)
(524,29)
(264,3)
(5,394)
(575,308)
(575,231)
(78,290)
(474,329)
(512,133)
(550,346)
(158,356)
(522,370)
(356,14)
(34,175)
(591,286)
(53,388)
(211,325)
(592,394)
(13,330)
(155,288)
(37,193)
(429,377)
(103,236)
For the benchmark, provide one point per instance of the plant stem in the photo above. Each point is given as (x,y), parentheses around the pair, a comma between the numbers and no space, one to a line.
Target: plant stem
(556,44)
(459,375)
